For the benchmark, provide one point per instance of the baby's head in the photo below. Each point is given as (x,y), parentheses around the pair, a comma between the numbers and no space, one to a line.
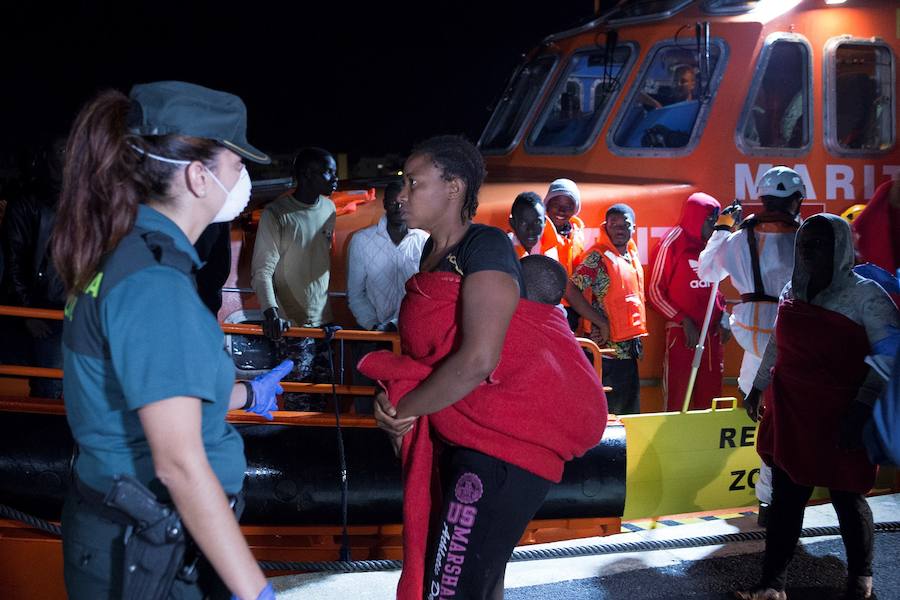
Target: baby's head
(545,279)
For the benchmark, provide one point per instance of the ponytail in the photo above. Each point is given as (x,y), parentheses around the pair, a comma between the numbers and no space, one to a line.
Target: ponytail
(104,180)
(97,206)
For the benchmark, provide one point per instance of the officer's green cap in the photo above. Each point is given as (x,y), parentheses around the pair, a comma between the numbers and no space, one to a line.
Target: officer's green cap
(177,107)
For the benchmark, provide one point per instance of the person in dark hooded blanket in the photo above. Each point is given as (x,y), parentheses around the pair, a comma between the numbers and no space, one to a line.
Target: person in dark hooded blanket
(818,396)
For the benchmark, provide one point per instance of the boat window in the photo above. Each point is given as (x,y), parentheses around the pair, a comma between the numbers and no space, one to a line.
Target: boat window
(517,103)
(859,76)
(642,11)
(729,7)
(668,105)
(777,117)
(578,106)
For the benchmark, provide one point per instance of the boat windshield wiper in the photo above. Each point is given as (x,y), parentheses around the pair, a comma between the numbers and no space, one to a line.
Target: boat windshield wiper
(610,80)
(701,31)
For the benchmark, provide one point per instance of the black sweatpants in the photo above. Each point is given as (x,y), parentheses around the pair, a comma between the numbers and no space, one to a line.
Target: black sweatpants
(621,374)
(786,520)
(487,503)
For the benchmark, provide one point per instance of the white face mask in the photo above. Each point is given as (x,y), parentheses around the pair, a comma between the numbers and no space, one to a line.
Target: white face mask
(236,200)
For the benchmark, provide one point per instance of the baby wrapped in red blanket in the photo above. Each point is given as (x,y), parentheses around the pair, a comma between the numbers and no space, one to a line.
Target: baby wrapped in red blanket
(542,406)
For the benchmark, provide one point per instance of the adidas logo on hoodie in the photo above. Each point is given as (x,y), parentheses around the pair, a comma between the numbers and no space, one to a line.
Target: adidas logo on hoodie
(697,283)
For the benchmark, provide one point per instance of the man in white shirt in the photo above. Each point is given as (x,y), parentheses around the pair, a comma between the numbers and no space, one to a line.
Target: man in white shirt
(380,260)
(759,258)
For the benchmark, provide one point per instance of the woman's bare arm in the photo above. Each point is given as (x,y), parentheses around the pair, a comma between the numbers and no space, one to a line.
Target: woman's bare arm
(173,429)
(489,299)
(238,396)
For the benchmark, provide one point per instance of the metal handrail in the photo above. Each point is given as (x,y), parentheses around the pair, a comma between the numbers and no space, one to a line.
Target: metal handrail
(246,329)
(31,313)
(352,335)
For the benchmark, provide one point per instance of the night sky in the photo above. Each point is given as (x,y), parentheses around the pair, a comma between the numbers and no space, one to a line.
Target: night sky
(362,78)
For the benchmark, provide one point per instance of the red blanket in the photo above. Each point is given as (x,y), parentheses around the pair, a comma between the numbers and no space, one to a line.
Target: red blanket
(543,404)
(876,228)
(817,374)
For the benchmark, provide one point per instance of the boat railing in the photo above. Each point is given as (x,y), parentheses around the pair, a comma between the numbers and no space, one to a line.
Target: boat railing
(25,370)
(340,389)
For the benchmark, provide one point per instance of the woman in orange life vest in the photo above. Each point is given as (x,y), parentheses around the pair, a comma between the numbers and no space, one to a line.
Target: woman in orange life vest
(564,232)
(611,271)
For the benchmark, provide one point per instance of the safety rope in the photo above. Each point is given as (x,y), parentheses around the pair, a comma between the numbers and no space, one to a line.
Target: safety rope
(358,566)
(8,512)
(354,566)
(570,552)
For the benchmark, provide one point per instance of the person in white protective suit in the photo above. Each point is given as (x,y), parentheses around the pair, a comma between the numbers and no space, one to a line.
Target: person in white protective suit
(758,254)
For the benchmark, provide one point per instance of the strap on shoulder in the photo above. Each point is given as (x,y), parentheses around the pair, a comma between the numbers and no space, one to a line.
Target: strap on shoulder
(166,253)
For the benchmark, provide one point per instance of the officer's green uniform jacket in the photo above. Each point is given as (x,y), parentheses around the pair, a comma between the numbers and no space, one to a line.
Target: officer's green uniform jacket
(137,334)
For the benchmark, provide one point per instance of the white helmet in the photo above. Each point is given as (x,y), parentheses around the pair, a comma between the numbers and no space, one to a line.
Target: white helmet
(781,182)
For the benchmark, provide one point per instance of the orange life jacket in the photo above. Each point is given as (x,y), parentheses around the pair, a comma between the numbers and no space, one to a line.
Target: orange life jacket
(568,249)
(520,251)
(624,301)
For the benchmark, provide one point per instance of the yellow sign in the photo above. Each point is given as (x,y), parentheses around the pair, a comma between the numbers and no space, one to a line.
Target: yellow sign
(691,462)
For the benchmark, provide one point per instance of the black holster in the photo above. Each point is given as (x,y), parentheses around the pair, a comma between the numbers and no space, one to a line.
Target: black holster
(154,540)
(157,549)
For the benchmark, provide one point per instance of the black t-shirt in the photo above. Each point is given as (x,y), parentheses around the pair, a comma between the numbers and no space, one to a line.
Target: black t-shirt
(482,248)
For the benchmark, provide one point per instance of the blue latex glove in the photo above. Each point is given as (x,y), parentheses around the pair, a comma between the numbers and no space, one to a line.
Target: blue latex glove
(266,387)
(267,593)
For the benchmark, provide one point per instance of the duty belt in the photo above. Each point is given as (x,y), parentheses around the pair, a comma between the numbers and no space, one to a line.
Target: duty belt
(157,549)
(96,500)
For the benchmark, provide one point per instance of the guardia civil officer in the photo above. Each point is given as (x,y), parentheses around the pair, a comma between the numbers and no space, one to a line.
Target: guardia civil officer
(147,381)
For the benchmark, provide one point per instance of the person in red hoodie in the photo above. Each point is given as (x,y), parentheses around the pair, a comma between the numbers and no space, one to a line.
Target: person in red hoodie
(875,228)
(679,295)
